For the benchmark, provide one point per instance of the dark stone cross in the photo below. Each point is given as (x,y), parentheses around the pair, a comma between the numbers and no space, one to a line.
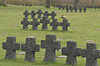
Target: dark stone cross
(44,22)
(53,14)
(26,13)
(65,25)
(46,14)
(11,46)
(32,14)
(71,51)
(51,46)
(71,9)
(67,9)
(35,24)
(25,23)
(54,24)
(80,9)
(84,9)
(75,9)
(91,54)
(60,7)
(30,47)
(39,13)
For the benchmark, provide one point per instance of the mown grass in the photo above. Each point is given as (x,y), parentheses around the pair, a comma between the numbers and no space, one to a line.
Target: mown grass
(84,27)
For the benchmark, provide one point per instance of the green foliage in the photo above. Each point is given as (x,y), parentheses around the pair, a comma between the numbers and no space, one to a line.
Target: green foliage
(84,27)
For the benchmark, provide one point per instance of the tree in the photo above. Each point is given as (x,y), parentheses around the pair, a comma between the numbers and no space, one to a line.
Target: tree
(93,2)
(76,3)
(47,3)
(3,2)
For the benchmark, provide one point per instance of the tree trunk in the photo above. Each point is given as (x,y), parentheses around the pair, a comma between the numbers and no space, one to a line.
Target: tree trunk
(3,2)
(76,3)
(93,3)
(47,3)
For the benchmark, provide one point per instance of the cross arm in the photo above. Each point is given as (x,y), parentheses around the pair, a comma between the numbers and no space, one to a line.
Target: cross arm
(16,46)
(23,47)
(4,45)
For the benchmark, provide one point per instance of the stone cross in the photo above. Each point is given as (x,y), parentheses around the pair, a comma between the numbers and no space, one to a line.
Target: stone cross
(39,13)
(67,9)
(25,23)
(54,24)
(46,14)
(11,46)
(32,14)
(26,13)
(71,51)
(44,22)
(75,9)
(59,7)
(91,54)
(35,24)
(71,9)
(53,14)
(65,25)
(84,9)
(80,9)
(51,46)
(30,47)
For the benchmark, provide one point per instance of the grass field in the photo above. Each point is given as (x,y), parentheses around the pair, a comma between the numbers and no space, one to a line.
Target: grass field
(85,28)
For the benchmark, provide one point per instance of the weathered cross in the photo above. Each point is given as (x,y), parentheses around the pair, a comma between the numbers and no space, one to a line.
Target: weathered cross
(44,22)
(71,51)
(25,23)
(53,14)
(30,47)
(39,13)
(46,14)
(91,54)
(54,24)
(11,46)
(33,14)
(35,24)
(26,13)
(65,25)
(80,9)
(51,46)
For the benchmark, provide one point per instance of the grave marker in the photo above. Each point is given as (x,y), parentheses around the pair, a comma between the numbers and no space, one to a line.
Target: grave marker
(65,25)
(39,13)
(25,23)
(44,22)
(26,13)
(71,51)
(51,46)
(54,24)
(91,54)
(32,14)
(11,46)
(30,47)
(35,24)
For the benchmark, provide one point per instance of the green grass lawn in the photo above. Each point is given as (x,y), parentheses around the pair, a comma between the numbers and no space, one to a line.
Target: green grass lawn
(84,27)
